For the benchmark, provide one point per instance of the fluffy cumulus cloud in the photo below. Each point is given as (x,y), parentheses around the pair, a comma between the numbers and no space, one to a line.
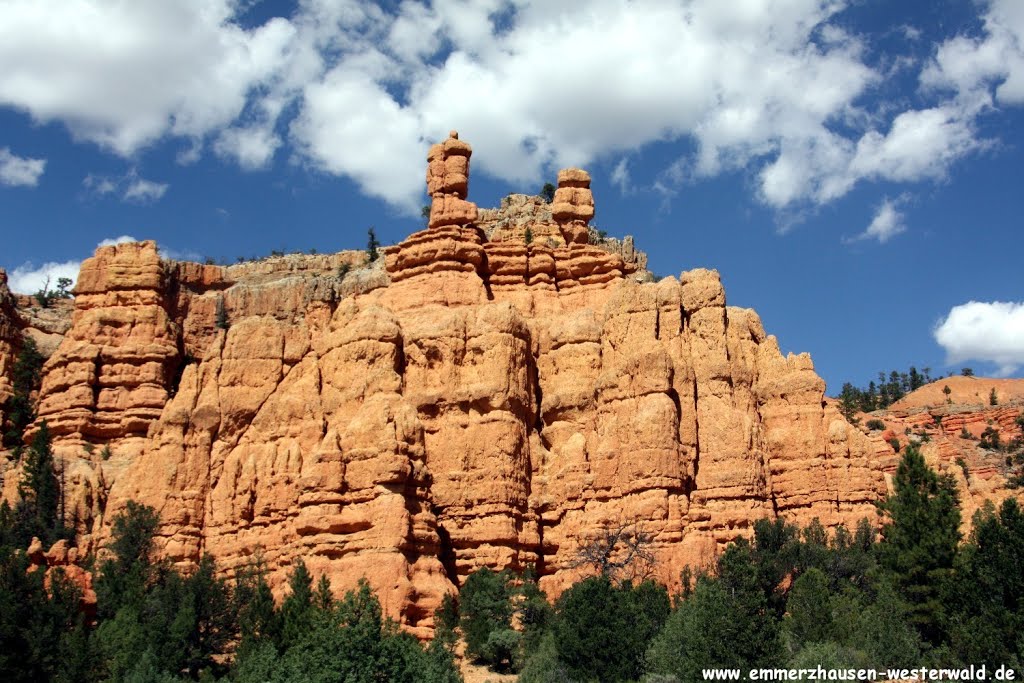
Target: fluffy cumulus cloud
(973,66)
(984,331)
(29,278)
(252,147)
(887,223)
(123,74)
(15,170)
(777,88)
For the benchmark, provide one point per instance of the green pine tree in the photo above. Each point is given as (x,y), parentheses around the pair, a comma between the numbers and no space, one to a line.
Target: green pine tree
(25,377)
(124,578)
(39,508)
(297,608)
(485,608)
(372,245)
(986,596)
(920,538)
(258,619)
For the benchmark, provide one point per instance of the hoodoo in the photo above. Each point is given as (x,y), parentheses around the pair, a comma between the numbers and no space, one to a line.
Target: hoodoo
(497,388)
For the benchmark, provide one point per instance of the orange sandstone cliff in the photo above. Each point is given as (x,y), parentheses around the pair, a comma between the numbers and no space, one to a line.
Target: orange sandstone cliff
(488,393)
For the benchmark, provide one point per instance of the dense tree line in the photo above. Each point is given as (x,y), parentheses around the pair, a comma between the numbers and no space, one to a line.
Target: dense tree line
(156,624)
(889,389)
(913,595)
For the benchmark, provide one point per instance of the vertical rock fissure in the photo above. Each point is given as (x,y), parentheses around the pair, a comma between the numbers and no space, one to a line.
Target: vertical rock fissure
(446,552)
(541,566)
(538,396)
(400,362)
(696,437)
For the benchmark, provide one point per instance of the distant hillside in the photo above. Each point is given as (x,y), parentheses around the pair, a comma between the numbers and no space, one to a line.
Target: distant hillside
(962,391)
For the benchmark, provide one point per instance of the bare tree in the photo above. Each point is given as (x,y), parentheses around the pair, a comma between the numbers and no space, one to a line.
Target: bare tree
(618,550)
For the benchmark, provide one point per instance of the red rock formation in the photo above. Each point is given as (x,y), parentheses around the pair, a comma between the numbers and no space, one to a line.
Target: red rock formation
(469,402)
(573,205)
(65,559)
(448,183)
(109,377)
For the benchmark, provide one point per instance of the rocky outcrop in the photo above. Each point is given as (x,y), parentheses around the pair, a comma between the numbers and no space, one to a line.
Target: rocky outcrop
(64,559)
(573,205)
(109,377)
(484,395)
(448,183)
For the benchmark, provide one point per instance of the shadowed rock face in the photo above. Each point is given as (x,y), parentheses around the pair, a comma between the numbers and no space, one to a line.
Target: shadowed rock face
(9,334)
(464,402)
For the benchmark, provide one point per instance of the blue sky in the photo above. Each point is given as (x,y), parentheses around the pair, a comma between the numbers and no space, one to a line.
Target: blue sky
(852,168)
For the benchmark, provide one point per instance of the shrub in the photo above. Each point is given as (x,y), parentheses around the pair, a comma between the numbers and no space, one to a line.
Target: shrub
(547,193)
(875,424)
(963,467)
(990,439)
(221,315)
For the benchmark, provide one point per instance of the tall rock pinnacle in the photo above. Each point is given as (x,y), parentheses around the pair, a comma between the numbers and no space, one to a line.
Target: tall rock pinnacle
(448,183)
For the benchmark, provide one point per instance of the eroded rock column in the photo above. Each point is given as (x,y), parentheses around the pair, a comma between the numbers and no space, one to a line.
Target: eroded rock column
(443,264)
(109,377)
(573,206)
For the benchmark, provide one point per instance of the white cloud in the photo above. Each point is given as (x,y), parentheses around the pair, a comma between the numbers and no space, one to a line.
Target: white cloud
(124,74)
(972,67)
(23,171)
(29,279)
(130,186)
(176,255)
(350,125)
(100,185)
(984,331)
(620,176)
(920,144)
(775,88)
(253,147)
(887,223)
(142,190)
(111,241)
